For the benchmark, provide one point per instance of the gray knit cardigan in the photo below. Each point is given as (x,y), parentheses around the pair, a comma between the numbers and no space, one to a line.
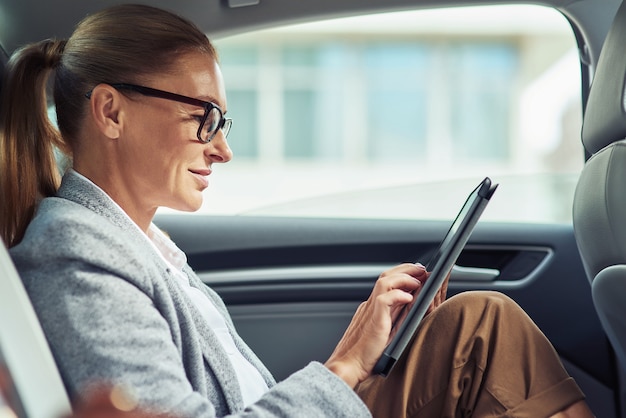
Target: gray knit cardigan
(112,312)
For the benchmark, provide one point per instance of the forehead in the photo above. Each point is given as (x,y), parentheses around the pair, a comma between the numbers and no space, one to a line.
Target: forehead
(195,75)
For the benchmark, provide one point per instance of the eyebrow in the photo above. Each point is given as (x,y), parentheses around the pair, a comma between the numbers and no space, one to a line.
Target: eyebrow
(212,100)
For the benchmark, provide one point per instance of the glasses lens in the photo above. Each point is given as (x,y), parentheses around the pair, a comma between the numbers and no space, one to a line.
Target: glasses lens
(212,122)
(226,128)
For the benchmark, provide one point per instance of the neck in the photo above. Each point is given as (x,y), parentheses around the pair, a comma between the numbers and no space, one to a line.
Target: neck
(116,189)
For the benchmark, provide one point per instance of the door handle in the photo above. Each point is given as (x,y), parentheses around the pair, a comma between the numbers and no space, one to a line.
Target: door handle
(473,274)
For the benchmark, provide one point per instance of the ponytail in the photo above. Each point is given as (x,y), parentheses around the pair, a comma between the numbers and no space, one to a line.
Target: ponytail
(27,137)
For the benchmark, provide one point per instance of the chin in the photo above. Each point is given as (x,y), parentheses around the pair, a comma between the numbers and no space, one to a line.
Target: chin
(191,208)
(186,205)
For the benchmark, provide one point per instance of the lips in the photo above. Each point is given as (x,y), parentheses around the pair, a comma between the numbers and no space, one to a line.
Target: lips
(202,176)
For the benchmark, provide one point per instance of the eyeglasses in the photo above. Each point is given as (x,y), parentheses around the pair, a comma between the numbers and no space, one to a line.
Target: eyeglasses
(212,121)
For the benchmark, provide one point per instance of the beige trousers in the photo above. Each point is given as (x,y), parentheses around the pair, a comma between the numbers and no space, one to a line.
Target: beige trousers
(476,355)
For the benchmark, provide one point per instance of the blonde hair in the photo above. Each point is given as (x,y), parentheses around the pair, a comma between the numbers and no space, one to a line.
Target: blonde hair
(119,44)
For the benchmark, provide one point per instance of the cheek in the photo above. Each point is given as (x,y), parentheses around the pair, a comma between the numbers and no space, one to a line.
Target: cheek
(162,151)
(172,161)
(162,141)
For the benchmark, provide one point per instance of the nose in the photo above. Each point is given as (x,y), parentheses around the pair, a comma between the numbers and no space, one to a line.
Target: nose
(218,150)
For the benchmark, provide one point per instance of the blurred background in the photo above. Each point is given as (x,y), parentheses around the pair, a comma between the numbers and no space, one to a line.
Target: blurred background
(400,115)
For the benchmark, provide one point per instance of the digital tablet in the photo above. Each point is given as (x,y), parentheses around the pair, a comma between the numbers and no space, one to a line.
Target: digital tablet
(439,267)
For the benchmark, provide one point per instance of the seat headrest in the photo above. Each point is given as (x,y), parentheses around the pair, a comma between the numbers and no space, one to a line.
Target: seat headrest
(605,115)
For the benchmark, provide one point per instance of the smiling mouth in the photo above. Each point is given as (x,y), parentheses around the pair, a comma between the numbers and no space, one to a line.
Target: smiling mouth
(201,172)
(202,176)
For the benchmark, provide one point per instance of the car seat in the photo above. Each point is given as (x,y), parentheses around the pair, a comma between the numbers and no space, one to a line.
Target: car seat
(599,210)
(24,350)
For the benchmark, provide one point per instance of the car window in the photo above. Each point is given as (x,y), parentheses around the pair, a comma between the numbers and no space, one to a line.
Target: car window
(400,115)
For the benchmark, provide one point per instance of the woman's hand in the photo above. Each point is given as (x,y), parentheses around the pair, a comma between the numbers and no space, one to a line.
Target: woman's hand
(372,326)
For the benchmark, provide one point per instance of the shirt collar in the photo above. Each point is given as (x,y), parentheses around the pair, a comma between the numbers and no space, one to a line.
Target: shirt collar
(157,238)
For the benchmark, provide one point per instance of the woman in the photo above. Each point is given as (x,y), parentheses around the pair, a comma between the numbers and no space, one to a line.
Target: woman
(141,110)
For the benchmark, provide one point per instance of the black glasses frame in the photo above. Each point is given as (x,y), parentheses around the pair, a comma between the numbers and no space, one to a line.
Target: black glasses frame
(224,123)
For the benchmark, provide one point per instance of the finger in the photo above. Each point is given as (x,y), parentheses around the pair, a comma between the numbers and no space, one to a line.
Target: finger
(392,304)
(402,281)
(413,269)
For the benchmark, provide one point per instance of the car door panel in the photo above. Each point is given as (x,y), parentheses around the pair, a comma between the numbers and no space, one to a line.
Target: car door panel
(292,284)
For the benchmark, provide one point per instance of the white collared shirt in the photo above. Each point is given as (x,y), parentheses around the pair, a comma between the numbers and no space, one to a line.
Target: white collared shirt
(251,382)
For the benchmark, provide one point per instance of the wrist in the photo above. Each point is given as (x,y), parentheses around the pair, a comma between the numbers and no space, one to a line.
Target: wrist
(344,372)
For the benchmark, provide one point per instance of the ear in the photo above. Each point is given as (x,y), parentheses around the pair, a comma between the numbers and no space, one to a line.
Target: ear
(106,105)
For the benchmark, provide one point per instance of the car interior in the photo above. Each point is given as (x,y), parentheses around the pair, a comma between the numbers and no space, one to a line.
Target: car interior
(292,283)
(600,196)
(25,352)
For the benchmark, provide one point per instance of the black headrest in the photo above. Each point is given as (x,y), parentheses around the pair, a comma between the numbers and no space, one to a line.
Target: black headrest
(605,114)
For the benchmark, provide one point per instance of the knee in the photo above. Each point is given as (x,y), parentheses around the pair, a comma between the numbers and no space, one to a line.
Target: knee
(479,302)
(482,298)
